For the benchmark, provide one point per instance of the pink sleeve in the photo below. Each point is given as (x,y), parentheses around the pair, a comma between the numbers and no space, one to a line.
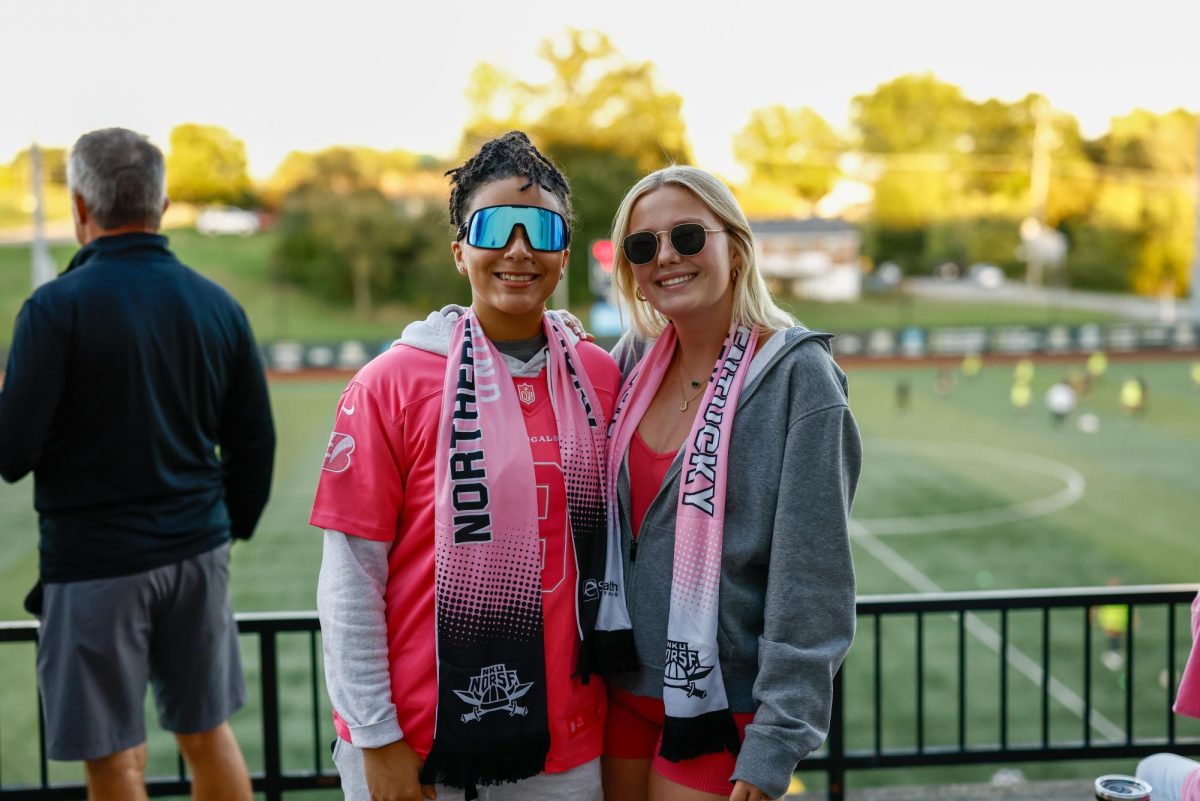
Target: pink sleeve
(1188,700)
(361,487)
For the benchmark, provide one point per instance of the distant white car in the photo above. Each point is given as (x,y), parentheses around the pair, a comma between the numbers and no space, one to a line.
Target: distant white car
(219,221)
(986,276)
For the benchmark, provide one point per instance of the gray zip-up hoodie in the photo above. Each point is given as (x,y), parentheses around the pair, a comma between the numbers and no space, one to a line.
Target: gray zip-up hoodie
(786,616)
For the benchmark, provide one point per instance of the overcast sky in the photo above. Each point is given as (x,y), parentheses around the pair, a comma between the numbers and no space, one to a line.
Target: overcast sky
(301,75)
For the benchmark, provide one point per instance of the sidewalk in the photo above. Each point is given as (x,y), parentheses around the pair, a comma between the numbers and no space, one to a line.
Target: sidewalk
(59,232)
(1069,790)
(1132,307)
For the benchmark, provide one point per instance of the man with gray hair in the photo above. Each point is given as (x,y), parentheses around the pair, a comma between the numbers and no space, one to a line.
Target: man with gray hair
(135,394)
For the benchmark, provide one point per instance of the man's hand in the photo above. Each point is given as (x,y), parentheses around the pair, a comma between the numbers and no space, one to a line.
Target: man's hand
(745,791)
(392,772)
(575,324)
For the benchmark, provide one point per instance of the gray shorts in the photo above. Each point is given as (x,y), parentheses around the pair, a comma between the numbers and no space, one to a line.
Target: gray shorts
(101,640)
(577,784)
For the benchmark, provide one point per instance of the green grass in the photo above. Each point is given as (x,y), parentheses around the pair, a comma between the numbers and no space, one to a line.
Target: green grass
(897,311)
(279,311)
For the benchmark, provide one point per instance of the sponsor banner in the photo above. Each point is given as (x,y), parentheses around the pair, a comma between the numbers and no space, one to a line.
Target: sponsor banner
(289,356)
(954,341)
(910,342)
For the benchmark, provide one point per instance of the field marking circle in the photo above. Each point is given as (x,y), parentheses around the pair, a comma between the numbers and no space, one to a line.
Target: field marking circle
(1074,487)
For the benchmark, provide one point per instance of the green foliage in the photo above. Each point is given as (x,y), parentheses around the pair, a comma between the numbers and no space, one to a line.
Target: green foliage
(1099,256)
(343,168)
(207,164)
(794,148)
(952,177)
(16,191)
(361,246)
(54,166)
(912,114)
(966,242)
(900,244)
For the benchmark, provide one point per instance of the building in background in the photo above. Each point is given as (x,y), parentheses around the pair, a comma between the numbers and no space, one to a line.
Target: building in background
(817,259)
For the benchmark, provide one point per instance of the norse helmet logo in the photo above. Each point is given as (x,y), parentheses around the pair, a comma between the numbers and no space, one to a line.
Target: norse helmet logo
(683,669)
(495,689)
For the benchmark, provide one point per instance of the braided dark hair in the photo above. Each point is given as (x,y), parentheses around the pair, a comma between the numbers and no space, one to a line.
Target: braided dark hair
(504,157)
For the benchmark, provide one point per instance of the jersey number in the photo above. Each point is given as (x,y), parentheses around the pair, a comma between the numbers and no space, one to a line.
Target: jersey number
(552,523)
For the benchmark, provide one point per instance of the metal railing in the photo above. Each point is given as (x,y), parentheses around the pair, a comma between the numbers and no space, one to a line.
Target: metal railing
(1065,689)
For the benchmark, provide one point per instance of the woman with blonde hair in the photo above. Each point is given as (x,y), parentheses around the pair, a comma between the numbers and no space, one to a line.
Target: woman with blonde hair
(733,463)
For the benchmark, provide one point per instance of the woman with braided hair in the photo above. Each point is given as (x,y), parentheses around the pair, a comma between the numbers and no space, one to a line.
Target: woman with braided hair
(733,462)
(468,589)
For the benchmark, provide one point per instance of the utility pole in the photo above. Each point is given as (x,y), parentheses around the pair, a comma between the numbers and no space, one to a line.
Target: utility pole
(42,266)
(1039,183)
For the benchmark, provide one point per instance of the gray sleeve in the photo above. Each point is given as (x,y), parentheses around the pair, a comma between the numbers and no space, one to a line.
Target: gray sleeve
(628,352)
(809,614)
(350,604)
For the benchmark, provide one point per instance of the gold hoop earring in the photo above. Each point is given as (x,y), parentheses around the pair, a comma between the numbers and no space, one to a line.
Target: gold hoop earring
(637,293)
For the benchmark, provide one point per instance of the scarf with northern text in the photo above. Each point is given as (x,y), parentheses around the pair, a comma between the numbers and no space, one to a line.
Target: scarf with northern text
(492,723)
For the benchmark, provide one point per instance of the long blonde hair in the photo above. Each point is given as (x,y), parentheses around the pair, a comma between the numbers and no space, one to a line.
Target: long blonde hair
(752,301)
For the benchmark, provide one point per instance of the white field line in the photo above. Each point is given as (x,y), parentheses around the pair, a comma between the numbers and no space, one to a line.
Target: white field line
(1072,491)
(987,635)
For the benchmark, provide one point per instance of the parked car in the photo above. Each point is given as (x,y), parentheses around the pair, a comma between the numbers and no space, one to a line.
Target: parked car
(220,220)
(986,276)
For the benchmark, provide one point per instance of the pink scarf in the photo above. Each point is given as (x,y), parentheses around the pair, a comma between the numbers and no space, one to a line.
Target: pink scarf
(698,720)
(491,724)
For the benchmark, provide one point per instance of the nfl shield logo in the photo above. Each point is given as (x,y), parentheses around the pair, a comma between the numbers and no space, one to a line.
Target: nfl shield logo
(525,393)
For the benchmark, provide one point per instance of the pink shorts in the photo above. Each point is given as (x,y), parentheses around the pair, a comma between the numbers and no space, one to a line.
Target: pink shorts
(634,731)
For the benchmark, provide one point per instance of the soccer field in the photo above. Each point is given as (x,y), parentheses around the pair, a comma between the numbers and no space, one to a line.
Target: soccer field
(957,492)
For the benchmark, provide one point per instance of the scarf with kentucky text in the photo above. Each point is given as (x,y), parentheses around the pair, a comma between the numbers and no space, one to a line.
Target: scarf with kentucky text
(698,720)
(491,724)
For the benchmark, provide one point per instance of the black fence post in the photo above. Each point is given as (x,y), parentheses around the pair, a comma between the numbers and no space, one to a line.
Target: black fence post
(269,677)
(837,742)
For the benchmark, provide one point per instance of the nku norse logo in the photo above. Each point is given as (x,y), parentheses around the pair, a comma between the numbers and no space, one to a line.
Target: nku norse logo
(495,689)
(337,453)
(684,669)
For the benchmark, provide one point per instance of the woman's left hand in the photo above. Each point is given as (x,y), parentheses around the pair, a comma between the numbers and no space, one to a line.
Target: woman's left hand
(745,791)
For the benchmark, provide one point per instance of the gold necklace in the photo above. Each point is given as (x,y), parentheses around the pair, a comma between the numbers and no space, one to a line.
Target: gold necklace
(697,385)
(686,400)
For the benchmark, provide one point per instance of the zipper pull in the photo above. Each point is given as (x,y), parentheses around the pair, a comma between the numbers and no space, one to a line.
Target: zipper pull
(633,551)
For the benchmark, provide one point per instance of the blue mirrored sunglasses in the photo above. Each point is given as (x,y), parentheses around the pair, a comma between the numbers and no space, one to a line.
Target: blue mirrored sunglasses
(492,227)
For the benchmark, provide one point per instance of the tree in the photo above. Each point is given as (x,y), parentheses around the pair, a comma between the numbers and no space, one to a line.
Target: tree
(594,100)
(912,114)
(915,127)
(793,148)
(207,164)
(363,247)
(342,168)
(1150,160)
(54,166)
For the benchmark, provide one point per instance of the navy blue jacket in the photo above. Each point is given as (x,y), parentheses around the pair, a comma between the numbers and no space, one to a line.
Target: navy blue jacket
(135,393)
